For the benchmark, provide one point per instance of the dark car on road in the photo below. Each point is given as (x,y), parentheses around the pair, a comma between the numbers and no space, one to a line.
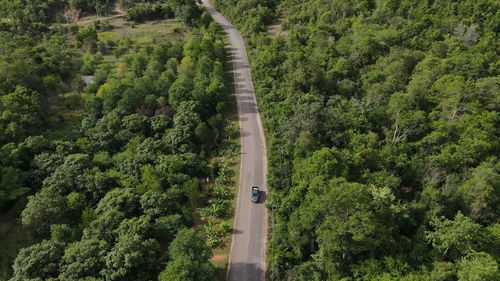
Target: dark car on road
(255,194)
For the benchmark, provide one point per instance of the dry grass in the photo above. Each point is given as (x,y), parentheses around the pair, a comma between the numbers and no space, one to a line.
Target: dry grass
(146,33)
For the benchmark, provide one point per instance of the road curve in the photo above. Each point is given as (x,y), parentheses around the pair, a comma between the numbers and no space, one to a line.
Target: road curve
(247,260)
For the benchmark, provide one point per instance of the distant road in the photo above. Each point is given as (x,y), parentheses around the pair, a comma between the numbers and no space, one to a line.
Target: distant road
(247,259)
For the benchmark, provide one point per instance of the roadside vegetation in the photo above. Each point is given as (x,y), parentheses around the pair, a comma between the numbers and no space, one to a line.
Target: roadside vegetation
(117,145)
(382,125)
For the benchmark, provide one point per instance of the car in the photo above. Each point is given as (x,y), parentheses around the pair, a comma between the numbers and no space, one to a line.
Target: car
(255,194)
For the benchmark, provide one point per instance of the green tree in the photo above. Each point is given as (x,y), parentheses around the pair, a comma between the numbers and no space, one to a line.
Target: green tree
(62,233)
(180,91)
(139,64)
(166,227)
(476,267)
(122,200)
(480,192)
(189,258)
(104,226)
(43,209)
(185,121)
(137,226)
(155,204)
(190,244)
(131,258)
(38,261)
(83,259)
(454,237)
(21,114)
(87,38)
(348,226)
(69,175)
(149,180)
(136,124)
(185,269)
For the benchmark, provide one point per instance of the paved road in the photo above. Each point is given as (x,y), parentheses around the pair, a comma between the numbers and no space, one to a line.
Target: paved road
(247,259)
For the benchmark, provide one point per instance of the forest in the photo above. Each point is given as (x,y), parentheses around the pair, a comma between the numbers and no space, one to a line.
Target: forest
(382,120)
(135,187)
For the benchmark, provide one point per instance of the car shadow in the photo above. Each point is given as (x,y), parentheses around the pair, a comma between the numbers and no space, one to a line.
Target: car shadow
(262,197)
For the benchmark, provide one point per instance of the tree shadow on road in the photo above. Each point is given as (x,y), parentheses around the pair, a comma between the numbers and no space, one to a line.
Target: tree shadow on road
(245,272)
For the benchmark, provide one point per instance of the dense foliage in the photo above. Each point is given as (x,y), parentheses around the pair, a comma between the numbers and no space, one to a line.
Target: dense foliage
(117,199)
(187,10)
(123,187)
(34,69)
(382,122)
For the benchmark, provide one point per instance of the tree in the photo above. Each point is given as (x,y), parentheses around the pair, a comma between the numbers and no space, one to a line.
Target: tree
(138,226)
(467,34)
(87,38)
(184,269)
(21,114)
(204,134)
(139,64)
(99,183)
(160,123)
(62,233)
(102,6)
(344,219)
(38,261)
(407,121)
(136,124)
(454,237)
(132,258)
(477,267)
(190,244)
(69,175)
(104,226)
(480,192)
(185,121)
(83,259)
(485,89)
(149,180)
(187,11)
(180,91)
(122,200)
(189,258)
(155,204)
(166,227)
(191,189)
(43,209)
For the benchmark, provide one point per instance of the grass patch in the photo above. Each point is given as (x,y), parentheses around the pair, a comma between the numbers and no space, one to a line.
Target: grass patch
(146,33)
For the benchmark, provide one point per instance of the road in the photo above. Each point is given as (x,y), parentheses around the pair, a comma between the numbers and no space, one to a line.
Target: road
(247,260)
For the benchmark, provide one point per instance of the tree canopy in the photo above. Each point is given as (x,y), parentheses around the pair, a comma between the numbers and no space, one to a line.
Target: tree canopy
(105,200)
(381,122)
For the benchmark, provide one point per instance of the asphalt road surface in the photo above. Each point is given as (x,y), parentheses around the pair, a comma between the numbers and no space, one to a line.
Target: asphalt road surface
(247,259)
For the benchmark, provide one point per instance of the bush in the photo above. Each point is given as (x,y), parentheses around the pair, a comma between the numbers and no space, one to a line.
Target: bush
(142,12)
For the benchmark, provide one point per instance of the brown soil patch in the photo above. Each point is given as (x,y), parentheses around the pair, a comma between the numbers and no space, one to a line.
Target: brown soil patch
(218,258)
